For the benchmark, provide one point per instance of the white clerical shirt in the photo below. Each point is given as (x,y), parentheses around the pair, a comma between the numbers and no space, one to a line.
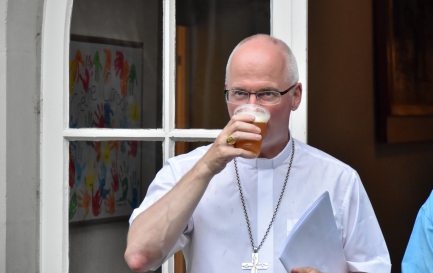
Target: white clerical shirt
(217,240)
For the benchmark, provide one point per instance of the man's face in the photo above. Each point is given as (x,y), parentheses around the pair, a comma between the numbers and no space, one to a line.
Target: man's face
(259,65)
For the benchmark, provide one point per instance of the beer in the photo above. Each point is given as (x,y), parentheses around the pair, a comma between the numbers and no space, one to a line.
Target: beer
(262,116)
(251,145)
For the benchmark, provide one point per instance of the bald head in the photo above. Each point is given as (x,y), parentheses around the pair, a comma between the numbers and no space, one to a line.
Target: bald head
(263,43)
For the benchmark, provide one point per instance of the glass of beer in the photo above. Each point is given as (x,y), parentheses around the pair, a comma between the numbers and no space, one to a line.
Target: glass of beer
(262,116)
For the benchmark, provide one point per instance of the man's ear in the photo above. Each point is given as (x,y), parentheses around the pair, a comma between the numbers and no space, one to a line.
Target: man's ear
(297,96)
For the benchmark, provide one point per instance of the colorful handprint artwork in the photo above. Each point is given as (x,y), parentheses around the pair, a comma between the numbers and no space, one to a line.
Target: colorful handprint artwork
(105,83)
(105,91)
(103,186)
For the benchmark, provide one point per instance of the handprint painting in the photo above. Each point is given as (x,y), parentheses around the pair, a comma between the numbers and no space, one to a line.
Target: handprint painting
(105,83)
(106,79)
(104,178)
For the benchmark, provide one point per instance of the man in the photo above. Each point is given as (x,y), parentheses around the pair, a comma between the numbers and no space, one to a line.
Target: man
(418,257)
(229,211)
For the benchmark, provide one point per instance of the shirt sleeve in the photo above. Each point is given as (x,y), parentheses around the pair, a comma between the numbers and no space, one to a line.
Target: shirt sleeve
(418,257)
(364,244)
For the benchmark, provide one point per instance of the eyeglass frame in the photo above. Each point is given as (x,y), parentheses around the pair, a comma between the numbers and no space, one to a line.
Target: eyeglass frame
(226,91)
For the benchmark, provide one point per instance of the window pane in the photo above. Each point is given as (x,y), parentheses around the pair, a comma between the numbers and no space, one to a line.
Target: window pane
(107,180)
(207,31)
(182,147)
(115,64)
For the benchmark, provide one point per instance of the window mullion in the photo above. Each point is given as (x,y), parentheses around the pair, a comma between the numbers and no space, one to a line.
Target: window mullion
(97,134)
(168,72)
(168,84)
(194,134)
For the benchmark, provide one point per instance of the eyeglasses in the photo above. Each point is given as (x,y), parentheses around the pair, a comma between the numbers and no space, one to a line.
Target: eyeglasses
(265,97)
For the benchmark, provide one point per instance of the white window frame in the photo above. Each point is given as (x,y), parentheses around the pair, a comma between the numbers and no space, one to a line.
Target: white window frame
(288,22)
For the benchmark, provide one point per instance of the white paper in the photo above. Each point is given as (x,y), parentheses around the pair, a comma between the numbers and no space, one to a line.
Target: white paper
(314,241)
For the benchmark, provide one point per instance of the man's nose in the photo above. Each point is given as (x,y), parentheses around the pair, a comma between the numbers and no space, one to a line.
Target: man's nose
(252,98)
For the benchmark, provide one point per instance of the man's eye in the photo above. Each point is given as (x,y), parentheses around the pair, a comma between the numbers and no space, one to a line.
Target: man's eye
(268,94)
(239,93)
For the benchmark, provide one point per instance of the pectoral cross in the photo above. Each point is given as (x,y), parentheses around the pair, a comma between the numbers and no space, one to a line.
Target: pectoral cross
(255,265)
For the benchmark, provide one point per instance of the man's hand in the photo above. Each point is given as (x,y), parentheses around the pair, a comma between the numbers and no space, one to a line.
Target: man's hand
(305,270)
(240,127)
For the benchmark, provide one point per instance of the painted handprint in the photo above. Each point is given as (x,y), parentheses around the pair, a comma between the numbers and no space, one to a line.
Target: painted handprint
(90,178)
(79,170)
(97,66)
(107,65)
(132,78)
(114,177)
(124,79)
(108,112)
(118,62)
(133,147)
(96,203)
(85,80)
(110,204)
(83,201)
(106,154)
(98,119)
(134,111)
(121,67)
(102,181)
(74,70)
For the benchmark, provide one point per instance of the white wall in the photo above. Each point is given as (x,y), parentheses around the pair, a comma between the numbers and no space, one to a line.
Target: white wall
(3,5)
(20,26)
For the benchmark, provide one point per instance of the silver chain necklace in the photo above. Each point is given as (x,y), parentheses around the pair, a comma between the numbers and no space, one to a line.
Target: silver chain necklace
(255,264)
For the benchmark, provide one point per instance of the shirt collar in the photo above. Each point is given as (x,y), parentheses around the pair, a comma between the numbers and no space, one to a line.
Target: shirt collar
(270,163)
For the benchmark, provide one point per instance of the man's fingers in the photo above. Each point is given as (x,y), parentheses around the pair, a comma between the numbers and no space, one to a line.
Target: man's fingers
(305,270)
(239,136)
(239,125)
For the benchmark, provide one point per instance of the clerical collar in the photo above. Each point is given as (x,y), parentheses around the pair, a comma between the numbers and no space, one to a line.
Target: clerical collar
(267,163)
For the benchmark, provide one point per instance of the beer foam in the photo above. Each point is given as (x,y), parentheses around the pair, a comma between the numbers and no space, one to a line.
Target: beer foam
(260,117)
(260,113)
